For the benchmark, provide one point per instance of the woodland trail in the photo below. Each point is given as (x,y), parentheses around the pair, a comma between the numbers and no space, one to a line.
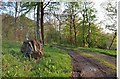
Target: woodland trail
(85,67)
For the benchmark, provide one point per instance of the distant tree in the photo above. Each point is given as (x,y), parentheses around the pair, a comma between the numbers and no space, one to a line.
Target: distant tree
(90,19)
(56,12)
(71,11)
(111,12)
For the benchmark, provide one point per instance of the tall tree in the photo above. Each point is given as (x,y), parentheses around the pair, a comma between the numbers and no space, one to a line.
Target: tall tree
(40,14)
(75,11)
(57,13)
(41,23)
(90,19)
(68,13)
(43,5)
(16,11)
(111,11)
(38,22)
(83,23)
(72,11)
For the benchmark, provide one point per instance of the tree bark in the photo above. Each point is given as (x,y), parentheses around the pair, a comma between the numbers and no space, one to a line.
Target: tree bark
(16,8)
(34,21)
(60,31)
(83,33)
(41,23)
(38,22)
(75,32)
(71,29)
(88,36)
(113,40)
(88,40)
(84,26)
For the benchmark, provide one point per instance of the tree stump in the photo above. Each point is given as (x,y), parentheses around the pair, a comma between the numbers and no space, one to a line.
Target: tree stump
(32,48)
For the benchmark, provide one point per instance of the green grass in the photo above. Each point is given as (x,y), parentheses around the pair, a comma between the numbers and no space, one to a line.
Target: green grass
(54,63)
(97,50)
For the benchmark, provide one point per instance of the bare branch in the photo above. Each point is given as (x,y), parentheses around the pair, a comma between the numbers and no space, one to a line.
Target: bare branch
(46,5)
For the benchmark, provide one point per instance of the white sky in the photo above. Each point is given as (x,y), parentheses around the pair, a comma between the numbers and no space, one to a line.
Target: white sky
(101,12)
(99,8)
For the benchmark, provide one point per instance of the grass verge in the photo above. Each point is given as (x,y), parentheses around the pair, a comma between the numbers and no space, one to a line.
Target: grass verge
(97,50)
(54,63)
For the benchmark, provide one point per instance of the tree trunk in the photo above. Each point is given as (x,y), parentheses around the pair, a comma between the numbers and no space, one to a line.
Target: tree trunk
(38,21)
(83,33)
(16,8)
(42,27)
(75,32)
(88,36)
(84,26)
(113,40)
(34,21)
(71,29)
(59,31)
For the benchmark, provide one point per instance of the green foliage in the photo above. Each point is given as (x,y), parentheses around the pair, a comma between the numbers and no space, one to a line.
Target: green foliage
(54,63)
(51,35)
(78,15)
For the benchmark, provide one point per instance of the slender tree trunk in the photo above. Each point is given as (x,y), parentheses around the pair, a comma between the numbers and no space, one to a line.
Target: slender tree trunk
(83,32)
(71,29)
(15,28)
(16,10)
(84,26)
(38,21)
(19,28)
(88,36)
(34,21)
(75,32)
(113,40)
(88,40)
(42,27)
(60,31)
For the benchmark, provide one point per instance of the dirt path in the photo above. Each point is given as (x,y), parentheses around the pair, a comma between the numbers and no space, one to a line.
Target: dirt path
(85,67)
(107,58)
